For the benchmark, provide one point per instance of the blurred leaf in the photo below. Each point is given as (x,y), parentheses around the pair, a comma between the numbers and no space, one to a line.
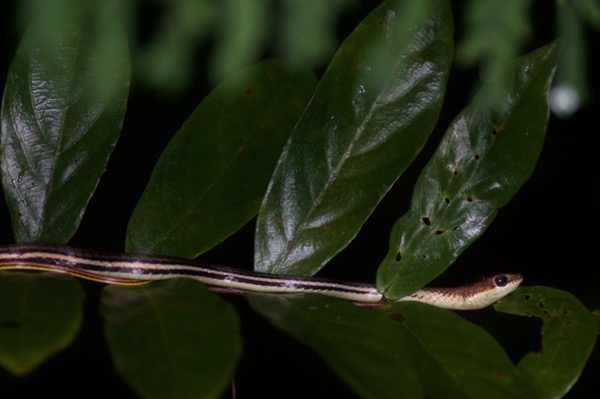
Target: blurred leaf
(372,113)
(308,30)
(570,87)
(61,117)
(493,37)
(168,60)
(40,314)
(493,33)
(171,339)
(211,178)
(588,10)
(482,161)
(568,337)
(405,350)
(241,36)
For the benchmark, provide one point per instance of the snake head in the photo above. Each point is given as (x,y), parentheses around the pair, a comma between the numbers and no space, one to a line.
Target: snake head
(491,289)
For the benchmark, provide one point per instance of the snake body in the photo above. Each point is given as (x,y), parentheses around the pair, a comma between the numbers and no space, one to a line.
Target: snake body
(135,269)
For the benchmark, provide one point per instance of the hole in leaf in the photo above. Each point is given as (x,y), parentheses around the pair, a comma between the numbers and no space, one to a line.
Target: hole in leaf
(455,172)
(476,156)
(398,256)
(426,221)
(527,297)
(496,129)
(439,232)
(470,199)
(447,200)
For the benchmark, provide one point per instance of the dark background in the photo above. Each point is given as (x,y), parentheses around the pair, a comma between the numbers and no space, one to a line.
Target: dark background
(547,232)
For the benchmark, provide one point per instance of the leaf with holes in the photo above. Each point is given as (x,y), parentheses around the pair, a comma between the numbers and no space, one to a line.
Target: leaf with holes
(483,159)
(370,116)
(568,337)
(62,112)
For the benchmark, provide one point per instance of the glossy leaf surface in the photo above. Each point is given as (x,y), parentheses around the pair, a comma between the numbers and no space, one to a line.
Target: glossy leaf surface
(40,314)
(406,350)
(483,159)
(171,339)
(61,117)
(568,335)
(211,178)
(371,114)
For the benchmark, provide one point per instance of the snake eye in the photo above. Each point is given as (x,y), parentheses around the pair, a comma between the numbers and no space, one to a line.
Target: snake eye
(500,280)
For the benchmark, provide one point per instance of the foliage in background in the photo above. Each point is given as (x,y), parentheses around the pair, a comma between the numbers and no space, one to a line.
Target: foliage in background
(571,87)
(303,32)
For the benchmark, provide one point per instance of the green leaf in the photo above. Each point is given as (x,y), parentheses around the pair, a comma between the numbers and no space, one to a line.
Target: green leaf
(483,159)
(568,336)
(493,37)
(572,80)
(456,358)
(62,111)
(587,10)
(401,351)
(171,339)
(40,314)
(370,116)
(211,178)
(361,345)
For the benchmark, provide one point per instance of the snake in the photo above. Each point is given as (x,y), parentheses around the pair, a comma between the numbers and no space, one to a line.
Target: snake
(135,269)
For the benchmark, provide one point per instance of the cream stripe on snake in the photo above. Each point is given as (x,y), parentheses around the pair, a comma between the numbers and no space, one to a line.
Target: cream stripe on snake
(132,269)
